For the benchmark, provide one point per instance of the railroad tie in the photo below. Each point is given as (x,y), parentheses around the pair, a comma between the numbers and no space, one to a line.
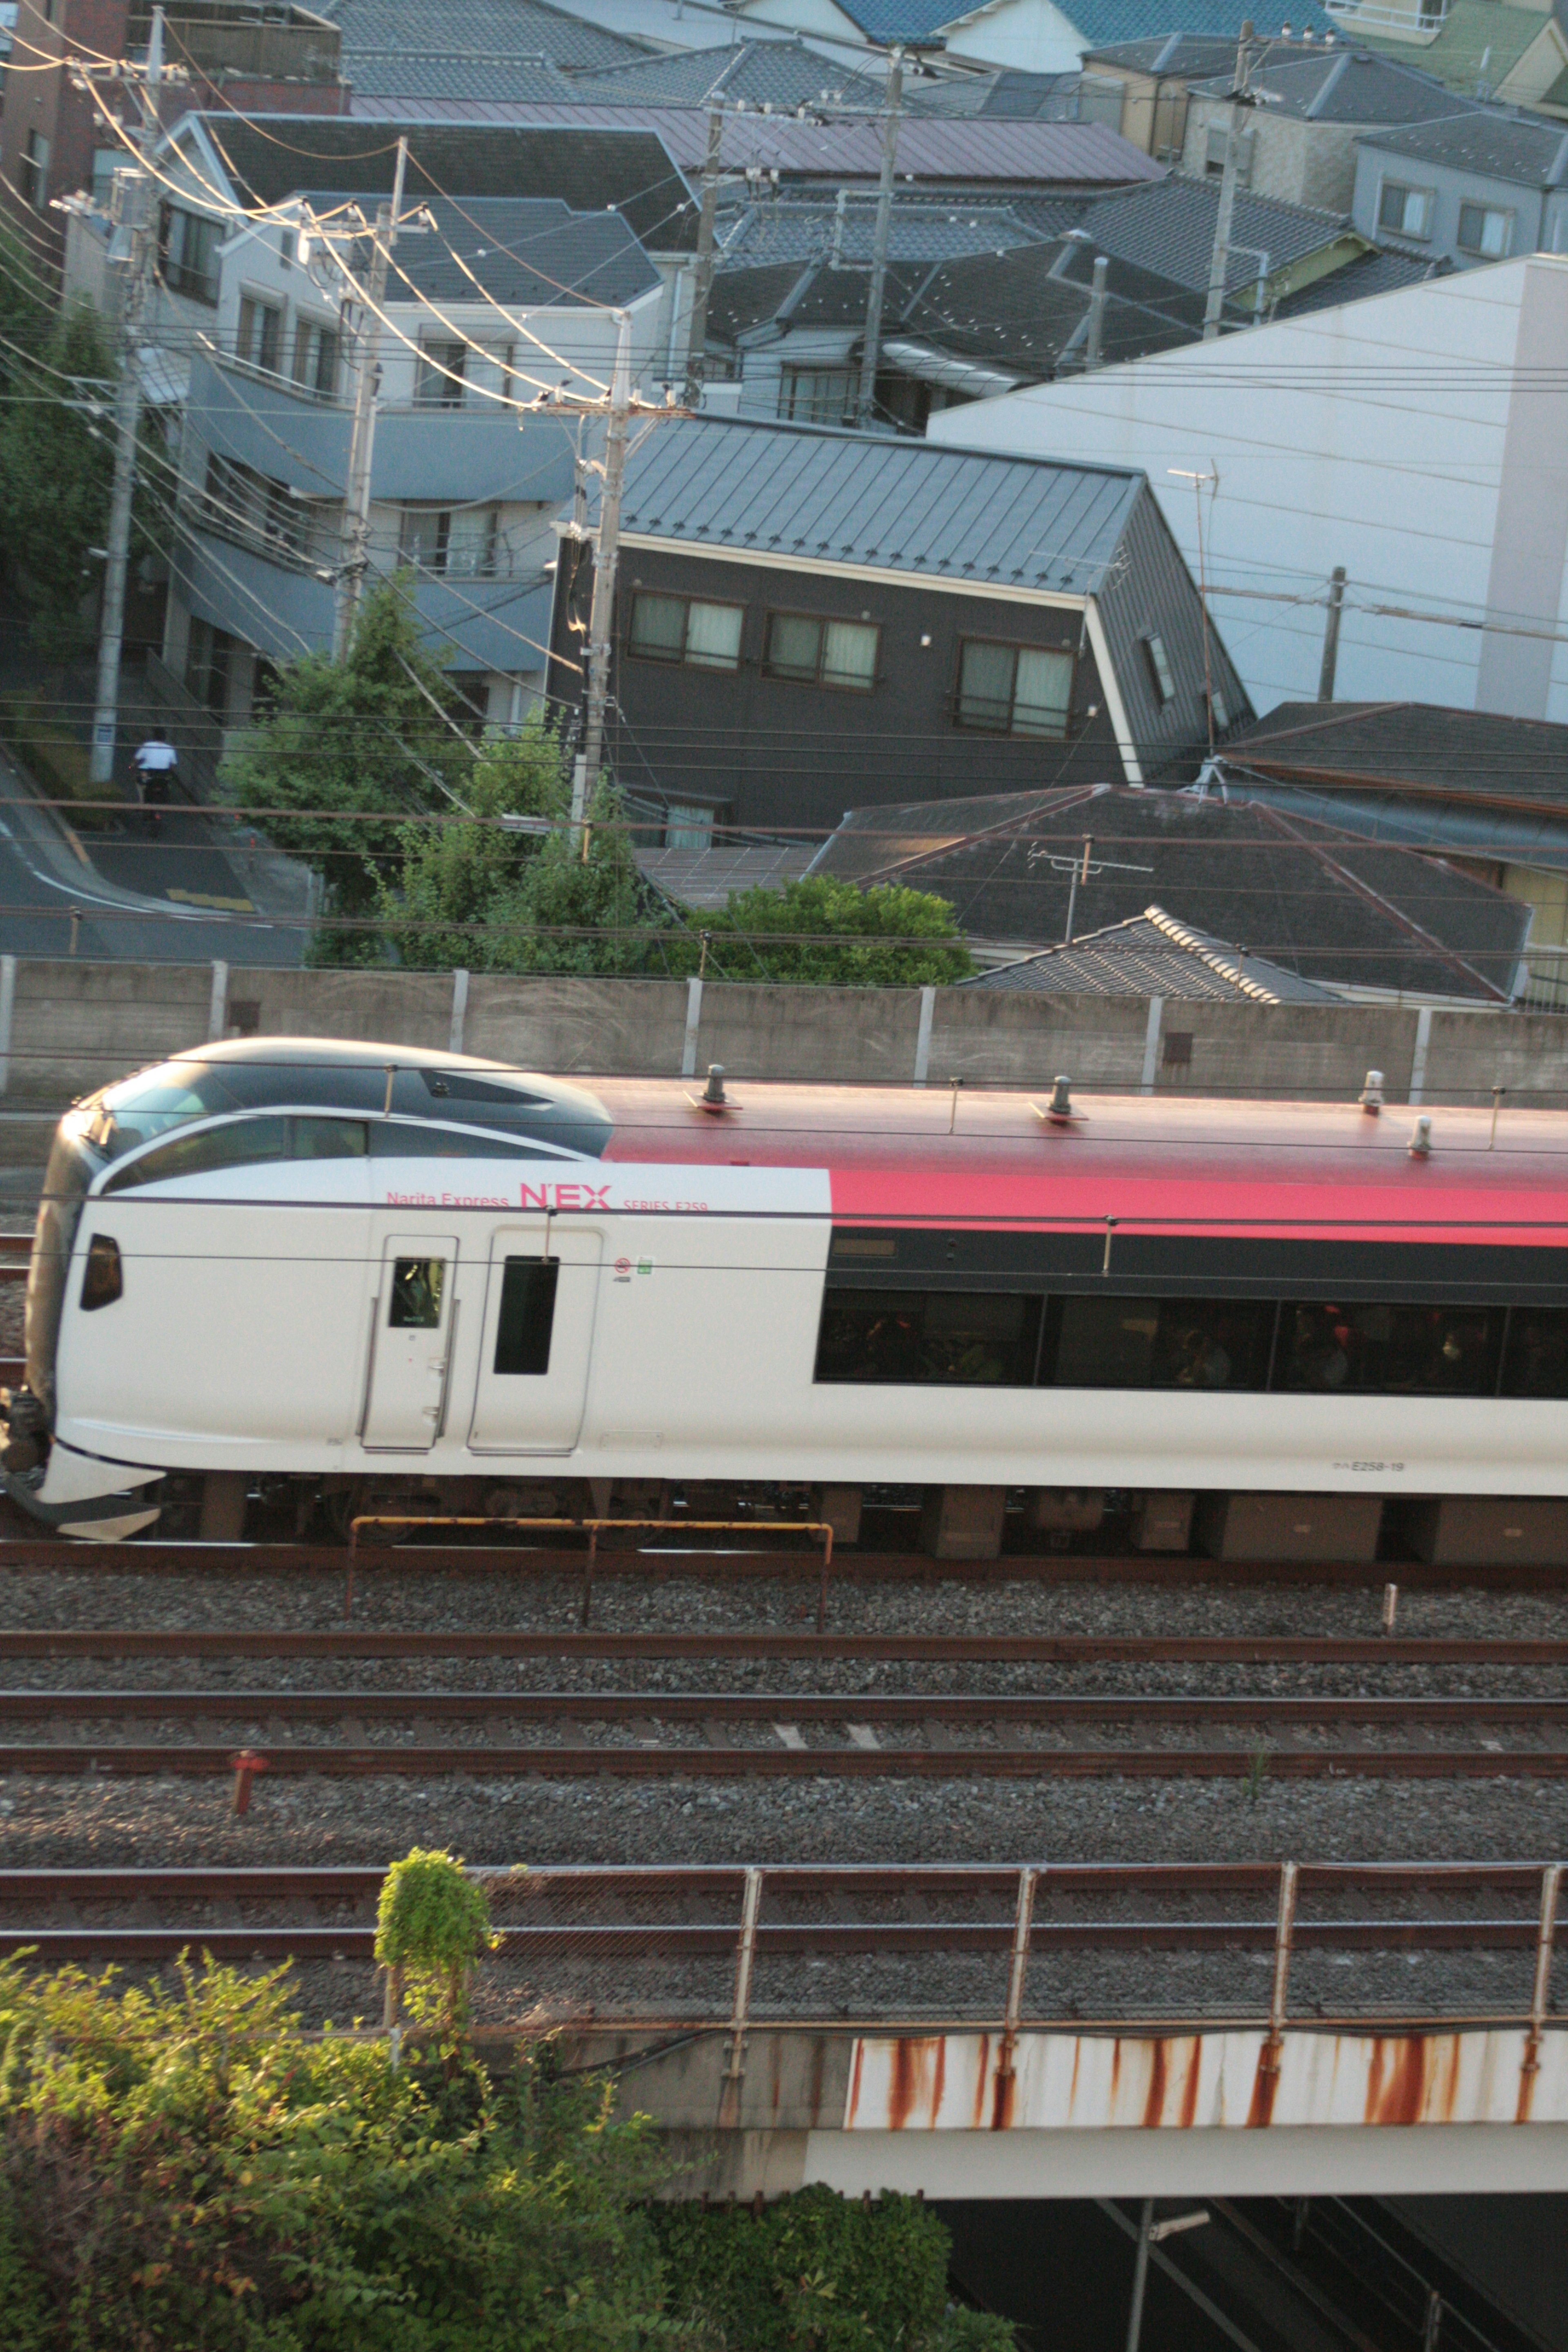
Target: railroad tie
(790,1735)
(862,1735)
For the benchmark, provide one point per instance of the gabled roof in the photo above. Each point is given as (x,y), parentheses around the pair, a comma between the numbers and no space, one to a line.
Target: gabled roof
(1344,85)
(1380,272)
(479,48)
(1169,230)
(1321,903)
(1027,308)
(522,251)
(1414,748)
(1191,56)
(1151,954)
(1525,149)
(808,227)
(1471,30)
(269,160)
(774,73)
(840,498)
(1099,21)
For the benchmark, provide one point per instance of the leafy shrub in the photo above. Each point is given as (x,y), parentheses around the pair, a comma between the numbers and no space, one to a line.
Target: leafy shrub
(432,1923)
(55,758)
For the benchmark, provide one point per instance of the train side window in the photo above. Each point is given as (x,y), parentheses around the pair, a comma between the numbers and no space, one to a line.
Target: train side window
(1535,1363)
(527,1315)
(329,1139)
(417,1284)
(945,1338)
(1158,1343)
(403,1139)
(1390,1351)
(242,1143)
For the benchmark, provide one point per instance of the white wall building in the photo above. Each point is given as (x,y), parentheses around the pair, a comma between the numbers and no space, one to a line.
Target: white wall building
(1419,438)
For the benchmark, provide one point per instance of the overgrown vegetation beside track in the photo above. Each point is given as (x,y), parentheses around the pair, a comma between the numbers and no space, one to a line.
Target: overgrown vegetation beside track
(186,2167)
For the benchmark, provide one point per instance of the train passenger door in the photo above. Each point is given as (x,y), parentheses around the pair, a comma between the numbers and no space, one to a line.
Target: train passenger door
(411,1352)
(538,1339)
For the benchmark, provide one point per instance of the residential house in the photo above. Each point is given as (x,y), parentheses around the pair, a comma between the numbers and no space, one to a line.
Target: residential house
(1477,188)
(499,301)
(1477,48)
(496,51)
(1037,36)
(1298,134)
(1388,439)
(1491,792)
(808,620)
(1141,87)
(1151,954)
(1040,868)
(57,139)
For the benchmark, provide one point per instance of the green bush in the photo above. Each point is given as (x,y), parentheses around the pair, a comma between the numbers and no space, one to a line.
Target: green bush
(55,758)
(432,1923)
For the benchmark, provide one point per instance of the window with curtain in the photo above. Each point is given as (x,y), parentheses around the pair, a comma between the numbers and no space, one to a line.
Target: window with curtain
(1012,690)
(819,652)
(817,396)
(685,629)
(316,357)
(259,339)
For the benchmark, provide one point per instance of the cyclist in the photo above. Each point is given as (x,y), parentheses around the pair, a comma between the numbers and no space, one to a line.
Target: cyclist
(157,769)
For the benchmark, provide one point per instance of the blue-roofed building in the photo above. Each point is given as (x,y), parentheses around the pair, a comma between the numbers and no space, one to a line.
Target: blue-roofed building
(1035,37)
(810,620)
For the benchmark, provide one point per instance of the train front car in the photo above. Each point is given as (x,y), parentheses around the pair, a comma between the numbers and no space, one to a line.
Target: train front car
(371,1271)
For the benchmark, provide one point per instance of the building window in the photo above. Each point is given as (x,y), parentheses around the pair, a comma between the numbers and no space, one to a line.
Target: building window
(259,339)
(1159,671)
(1215,150)
(187,252)
(817,396)
(316,357)
(441,370)
(1484,231)
(1219,710)
(209,658)
(106,162)
(456,542)
(1405,212)
(820,652)
(245,504)
(688,825)
(36,170)
(1012,690)
(686,629)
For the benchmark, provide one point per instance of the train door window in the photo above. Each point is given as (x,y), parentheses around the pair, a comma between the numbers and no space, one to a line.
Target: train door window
(417,1286)
(241,1143)
(1388,1349)
(1535,1361)
(527,1315)
(946,1338)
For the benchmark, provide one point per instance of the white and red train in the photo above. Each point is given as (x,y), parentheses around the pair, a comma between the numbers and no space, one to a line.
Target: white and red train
(372,1270)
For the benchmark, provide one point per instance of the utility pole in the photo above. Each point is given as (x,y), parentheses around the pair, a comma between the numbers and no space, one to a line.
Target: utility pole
(1094,356)
(1220,261)
(606,554)
(872,346)
(702,287)
(355,561)
(1332,633)
(131,193)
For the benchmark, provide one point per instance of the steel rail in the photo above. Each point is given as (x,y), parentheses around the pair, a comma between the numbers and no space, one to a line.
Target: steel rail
(581,1762)
(936,1649)
(679,1560)
(974,1708)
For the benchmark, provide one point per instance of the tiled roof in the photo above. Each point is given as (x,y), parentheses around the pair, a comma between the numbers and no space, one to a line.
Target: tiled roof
(1410,747)
(1469,29)
(467,49)
(1525,149)
(1169,229)
(1321,903)
(704,878)
(628,169)
(1383,272)
(1346,85)
(1098,21)
(900,506)
(534,252)
(1193,55)
(1151,954)
(776,73)
(1024,309)
(921,228)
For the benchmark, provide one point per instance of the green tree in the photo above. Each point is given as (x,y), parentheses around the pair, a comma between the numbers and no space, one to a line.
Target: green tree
(432,1923)
(825,932)
(364,737)
(26,307)
(57,464)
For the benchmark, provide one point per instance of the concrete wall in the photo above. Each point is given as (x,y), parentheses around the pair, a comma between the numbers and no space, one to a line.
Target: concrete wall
(75,1027)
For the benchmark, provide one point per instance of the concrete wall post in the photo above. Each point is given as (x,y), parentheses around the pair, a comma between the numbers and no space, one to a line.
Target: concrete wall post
(745,1957)
(1152,1045)
(459,1012)
(7,1012)
(217,1003)
(1418,1058)
(922,1041)
(693,1022)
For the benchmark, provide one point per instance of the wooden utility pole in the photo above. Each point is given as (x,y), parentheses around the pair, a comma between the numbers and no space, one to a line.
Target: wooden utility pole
(606,556)
(702,287)
(1219,264)
(356,559)
(871,349)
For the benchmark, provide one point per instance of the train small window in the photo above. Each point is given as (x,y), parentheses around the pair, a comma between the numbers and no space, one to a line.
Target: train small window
(527,1315)
(1159,1343)
(103,1282)
(395,1138)
(945,1338)
(329,1139)
(1389,1351)
(417,1284)
(1536,1361)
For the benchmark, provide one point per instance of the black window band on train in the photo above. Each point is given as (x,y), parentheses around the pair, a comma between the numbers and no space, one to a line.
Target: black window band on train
(994,1339)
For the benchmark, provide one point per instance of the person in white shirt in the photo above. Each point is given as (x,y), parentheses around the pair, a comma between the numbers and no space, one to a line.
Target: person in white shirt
(157,765)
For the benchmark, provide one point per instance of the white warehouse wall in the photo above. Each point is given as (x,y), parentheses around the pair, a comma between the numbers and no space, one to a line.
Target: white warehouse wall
(1419,438)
